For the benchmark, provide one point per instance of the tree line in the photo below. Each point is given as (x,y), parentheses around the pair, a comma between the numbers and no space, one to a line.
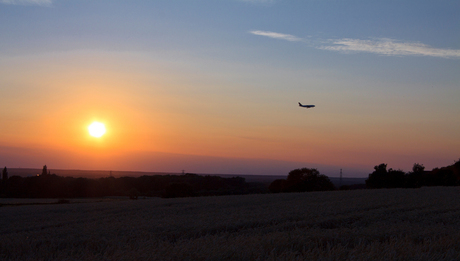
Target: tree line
(47,185)
(418,177)
(302,180)
(305,179)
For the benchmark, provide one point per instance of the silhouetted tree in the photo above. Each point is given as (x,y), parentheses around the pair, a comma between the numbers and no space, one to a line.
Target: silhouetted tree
(4,180)
(381,178)
(277,186)
(442,177)
(416,178)
(301,180)
(418,168)
(314,181)
(15,187)
(396,178)
(53,186)
(445,176)
(44,170)
(4,175)
(377,179)
(456,170)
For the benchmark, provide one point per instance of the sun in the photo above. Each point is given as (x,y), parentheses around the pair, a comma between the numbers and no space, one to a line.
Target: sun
(96,129)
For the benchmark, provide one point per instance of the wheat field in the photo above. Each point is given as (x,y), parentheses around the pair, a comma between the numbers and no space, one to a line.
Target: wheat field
(386,224)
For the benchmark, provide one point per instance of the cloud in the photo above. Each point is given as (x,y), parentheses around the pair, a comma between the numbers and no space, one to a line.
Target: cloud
(389,47)
(286,37)
(27,2)
(381,46)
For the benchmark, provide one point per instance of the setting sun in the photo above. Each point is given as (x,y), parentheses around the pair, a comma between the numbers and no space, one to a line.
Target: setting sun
(96,129)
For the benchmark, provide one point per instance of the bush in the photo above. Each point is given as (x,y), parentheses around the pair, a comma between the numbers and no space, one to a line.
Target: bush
(301,180)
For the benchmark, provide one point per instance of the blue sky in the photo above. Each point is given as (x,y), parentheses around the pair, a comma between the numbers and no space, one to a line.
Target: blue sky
(148,25)
(383,74)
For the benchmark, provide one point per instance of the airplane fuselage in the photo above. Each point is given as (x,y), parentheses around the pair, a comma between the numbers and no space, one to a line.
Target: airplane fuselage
(306,106)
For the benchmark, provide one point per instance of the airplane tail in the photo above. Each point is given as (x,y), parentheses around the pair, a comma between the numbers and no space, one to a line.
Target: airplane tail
(300,104)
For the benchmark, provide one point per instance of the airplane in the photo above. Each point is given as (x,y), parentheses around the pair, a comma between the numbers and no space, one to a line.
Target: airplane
(306,106)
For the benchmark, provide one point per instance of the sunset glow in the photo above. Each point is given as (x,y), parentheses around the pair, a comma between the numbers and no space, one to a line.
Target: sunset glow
(107,85)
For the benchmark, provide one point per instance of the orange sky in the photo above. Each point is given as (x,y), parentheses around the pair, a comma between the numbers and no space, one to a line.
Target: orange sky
(156,112)
(191,87)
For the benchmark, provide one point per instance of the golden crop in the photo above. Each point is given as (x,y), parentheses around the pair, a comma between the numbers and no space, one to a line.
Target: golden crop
(386,224)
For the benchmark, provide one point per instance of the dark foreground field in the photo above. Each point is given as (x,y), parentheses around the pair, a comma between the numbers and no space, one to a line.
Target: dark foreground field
(397,224)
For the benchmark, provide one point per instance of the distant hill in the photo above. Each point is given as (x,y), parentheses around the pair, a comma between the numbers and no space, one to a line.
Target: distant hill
(25,172)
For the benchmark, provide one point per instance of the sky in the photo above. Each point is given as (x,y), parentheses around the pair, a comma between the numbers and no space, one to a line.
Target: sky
(212,86)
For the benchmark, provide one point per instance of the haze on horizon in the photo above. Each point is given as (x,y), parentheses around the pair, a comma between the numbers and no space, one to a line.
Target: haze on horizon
(213,86)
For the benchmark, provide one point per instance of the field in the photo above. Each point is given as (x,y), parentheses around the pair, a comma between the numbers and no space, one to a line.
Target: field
(396,224)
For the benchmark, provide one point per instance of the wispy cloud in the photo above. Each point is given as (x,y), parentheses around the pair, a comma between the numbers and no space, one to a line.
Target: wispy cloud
(27,2)
(286,37)
(390,47)
(381,46)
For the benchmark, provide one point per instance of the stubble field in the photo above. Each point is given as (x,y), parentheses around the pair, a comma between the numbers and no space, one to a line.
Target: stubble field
(396,224)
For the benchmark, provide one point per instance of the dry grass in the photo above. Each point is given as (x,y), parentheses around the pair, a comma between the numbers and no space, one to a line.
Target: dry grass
(398,224)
